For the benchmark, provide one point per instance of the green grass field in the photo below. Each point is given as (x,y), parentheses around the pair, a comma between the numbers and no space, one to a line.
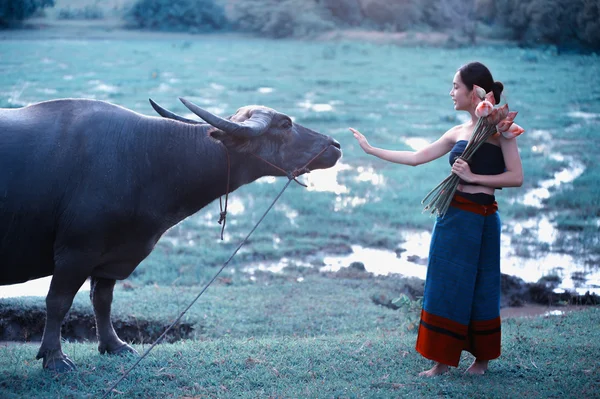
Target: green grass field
(323,337)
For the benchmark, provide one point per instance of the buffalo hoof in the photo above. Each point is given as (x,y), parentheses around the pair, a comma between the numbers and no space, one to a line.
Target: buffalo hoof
(123,350)
(58,363)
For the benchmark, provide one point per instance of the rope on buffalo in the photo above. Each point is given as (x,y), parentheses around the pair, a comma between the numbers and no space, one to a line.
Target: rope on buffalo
(159,339)
(291,177)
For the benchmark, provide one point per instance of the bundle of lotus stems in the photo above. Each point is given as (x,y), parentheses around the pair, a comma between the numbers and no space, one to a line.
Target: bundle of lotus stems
(492,121)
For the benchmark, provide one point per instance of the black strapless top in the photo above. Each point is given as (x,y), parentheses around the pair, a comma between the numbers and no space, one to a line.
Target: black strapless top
(487,160)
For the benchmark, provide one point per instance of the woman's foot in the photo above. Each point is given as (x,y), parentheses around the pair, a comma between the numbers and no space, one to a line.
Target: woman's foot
(479,367)
(438,369)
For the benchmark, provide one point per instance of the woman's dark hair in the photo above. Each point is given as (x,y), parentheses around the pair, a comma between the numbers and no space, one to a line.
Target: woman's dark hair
(475,73)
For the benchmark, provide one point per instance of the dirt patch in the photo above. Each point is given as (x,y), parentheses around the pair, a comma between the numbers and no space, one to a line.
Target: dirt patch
(17,324)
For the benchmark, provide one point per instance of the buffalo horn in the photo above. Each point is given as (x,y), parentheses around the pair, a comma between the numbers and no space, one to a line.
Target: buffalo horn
(165,113)
(255,126)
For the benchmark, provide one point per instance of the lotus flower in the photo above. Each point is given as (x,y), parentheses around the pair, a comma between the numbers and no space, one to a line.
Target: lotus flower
(505,123)
(497,114)
(490,97)
(513,131)
(479,92)
(483,109)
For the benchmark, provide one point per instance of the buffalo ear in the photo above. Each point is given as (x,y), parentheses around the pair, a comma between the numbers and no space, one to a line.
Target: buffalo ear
(217,134)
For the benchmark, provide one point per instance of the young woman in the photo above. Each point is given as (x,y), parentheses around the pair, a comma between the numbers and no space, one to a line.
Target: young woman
(461,306)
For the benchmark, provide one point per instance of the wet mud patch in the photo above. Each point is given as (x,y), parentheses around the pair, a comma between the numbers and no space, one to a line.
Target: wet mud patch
(27,324)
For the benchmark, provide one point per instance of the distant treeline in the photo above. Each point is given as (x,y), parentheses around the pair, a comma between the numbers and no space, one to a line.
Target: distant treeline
(567,24)
(18,10)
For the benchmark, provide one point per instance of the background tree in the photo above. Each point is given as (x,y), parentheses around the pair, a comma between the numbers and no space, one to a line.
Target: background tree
(180,15)
(14,11)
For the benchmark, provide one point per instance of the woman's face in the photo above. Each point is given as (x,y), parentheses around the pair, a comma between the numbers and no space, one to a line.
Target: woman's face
(461,96)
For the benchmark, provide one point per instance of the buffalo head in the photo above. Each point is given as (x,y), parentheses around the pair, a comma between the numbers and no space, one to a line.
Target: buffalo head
(267,133)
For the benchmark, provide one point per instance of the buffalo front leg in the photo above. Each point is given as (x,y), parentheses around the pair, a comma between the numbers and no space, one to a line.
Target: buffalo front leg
(101,294)
(64,286)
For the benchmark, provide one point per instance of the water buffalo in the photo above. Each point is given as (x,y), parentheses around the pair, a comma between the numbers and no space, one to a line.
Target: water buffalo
(87,188)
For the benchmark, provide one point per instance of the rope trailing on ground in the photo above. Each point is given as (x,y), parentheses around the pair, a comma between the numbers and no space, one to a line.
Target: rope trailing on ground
(159,339)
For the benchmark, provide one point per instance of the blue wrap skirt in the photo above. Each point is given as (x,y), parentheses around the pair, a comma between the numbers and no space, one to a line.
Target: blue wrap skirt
(461,304)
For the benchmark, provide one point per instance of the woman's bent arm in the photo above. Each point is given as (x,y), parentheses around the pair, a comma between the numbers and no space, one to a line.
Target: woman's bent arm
(511,177)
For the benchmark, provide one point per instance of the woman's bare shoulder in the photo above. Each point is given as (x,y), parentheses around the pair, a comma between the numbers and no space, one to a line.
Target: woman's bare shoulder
(455,133)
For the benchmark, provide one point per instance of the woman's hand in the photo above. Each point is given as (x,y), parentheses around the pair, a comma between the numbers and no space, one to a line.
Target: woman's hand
(461,169)
(362,140)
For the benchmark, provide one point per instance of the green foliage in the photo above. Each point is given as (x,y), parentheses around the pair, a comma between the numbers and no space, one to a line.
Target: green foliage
(279,18)
(568,24)
(18,10)
(87,12)
(181,16)
(410,311)
(394,16)
(588,22)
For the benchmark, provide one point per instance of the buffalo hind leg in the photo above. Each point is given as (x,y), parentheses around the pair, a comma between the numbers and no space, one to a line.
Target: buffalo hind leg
(63,288)
(101,294)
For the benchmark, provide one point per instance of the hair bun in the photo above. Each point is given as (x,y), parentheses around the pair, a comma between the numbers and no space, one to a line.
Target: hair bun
(498,86)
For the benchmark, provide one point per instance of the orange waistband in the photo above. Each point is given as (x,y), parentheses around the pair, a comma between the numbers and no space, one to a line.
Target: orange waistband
(470,206)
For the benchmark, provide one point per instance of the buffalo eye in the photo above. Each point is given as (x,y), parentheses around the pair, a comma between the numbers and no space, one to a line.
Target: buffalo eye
(286,124)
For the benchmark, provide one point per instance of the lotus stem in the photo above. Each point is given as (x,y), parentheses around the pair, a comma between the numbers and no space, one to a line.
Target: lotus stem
(439,198)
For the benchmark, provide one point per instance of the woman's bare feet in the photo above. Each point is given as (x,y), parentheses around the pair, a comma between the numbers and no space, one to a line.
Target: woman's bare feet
(479,367)
(438,369)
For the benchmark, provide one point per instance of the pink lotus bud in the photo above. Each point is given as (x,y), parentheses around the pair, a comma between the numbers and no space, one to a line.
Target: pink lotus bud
(514,131)
(503,126)
(490,97)
(483,109)
(505,123)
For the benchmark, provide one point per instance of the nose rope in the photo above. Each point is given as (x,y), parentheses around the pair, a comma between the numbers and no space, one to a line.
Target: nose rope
(291,176)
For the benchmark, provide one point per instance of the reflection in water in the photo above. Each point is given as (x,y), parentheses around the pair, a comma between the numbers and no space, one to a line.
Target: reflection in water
(309,105)
(274,267)
(325,180)
(235,206)
(542,228)
(369,175)
(342,202)
(583,115)
(536,196)
(288,212)
(416,143)
(383,262)
(103,87)
(267,180)
(531,269)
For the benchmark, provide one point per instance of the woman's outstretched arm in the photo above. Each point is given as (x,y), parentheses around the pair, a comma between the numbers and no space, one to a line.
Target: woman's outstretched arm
(412,158)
